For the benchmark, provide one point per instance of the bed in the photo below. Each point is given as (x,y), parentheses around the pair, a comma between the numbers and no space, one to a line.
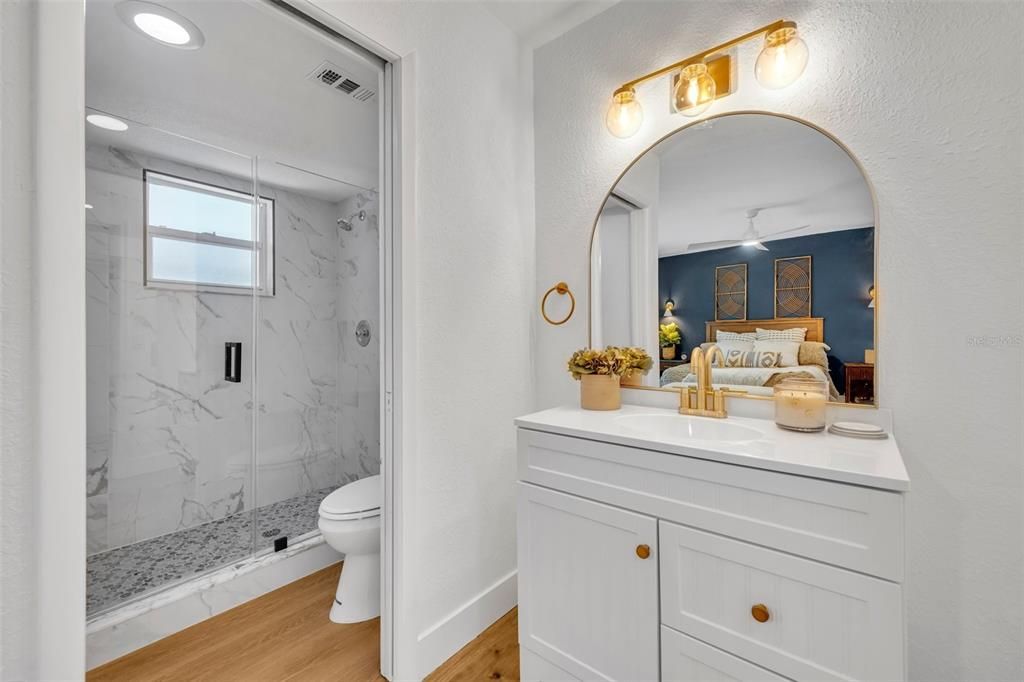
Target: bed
(756,380)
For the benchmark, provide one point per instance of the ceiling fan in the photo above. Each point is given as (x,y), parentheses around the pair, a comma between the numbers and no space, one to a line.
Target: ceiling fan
(750,238)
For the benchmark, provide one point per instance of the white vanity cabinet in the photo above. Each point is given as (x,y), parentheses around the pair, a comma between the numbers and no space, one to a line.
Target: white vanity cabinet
(637,564)
(588,586)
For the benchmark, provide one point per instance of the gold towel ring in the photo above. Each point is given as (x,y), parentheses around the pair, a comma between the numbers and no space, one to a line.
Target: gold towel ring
(561,289)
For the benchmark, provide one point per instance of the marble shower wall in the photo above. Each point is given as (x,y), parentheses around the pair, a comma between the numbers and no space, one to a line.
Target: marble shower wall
(359,366)
(170,442)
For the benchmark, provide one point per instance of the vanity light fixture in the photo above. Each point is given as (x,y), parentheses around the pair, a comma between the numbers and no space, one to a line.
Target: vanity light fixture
(625,114)
(107,122)
(871,293)
(163,25)
(670,305)
(707,76)
(695,90)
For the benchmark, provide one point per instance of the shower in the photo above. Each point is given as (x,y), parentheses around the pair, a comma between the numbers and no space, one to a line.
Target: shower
(346,223)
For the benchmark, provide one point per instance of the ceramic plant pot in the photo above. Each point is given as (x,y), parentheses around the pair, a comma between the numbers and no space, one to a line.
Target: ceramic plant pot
(632,378)
(668,353)
(600,392)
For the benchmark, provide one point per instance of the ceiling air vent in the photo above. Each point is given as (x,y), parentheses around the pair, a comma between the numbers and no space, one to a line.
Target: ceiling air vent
(331,76)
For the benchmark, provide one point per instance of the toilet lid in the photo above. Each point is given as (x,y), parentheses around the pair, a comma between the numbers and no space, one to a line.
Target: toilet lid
(358,499)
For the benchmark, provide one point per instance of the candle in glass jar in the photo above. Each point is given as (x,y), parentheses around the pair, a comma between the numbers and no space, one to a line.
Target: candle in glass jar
(800,405)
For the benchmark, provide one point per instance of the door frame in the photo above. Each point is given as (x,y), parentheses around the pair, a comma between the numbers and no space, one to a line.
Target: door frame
(397,636)
(61,162)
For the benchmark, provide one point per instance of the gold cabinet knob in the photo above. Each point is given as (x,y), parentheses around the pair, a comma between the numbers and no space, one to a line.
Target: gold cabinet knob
(760,613)
(643,551)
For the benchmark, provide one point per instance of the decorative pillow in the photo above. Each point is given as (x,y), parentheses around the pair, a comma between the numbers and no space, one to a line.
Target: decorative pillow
(735,336)
(788,350)
(728,346)
(738,358)
(813,353)
(794,334)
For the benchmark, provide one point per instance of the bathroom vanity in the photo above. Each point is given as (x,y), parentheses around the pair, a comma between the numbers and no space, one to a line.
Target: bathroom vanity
(657,546)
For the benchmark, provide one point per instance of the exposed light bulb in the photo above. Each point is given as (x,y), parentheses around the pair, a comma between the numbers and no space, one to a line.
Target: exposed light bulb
(782,60)
(695,90)
(625,114)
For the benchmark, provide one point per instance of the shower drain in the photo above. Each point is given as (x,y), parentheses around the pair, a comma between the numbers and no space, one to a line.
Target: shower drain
(272,532)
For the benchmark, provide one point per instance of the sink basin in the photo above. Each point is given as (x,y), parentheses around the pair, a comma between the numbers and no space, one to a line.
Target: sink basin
(680,427)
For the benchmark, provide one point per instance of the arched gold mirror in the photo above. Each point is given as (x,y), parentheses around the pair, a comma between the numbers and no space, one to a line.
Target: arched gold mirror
(751,230)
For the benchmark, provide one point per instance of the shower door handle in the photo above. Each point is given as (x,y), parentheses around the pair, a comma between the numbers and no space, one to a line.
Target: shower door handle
(233,361)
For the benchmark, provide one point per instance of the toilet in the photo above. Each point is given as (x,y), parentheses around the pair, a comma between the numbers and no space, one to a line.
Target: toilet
(350,523)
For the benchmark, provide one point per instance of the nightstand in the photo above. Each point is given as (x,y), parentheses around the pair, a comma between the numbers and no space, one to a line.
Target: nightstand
(665,364)
(860,382)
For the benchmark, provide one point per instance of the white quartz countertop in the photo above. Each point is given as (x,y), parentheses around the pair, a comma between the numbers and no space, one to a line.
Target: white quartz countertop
(874,463)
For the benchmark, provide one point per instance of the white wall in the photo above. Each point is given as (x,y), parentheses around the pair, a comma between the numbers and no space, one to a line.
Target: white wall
(17,462)
(615,285)
(948,173)
(468,233)
(42,429)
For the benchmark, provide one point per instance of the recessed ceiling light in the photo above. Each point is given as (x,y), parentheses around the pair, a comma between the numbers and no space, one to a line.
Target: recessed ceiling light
(161,28)
(88,205)
(107,122)
(165,26)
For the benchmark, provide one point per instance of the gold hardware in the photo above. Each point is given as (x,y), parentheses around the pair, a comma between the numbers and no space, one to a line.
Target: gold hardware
(720,70)
(643,551)
(561,289)
(704,400)
(760,613)
(701,56)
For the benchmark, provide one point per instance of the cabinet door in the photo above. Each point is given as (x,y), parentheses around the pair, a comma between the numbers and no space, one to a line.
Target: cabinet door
(588,586)
(685,659)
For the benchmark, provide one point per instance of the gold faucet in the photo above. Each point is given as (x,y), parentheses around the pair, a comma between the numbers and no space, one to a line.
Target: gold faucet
(704,400)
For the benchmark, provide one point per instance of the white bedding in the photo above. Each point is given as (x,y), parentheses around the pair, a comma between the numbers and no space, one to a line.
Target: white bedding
(753,379)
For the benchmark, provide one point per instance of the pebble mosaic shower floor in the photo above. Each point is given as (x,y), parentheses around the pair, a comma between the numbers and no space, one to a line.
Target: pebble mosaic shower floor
(117,575)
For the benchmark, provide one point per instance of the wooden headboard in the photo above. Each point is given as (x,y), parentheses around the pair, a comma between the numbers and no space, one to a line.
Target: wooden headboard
(815,326)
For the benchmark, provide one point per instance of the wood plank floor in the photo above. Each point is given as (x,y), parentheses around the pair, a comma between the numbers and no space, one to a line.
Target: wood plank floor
(286,635)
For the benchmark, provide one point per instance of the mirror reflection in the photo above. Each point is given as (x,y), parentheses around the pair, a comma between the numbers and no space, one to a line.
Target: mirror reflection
(750,231)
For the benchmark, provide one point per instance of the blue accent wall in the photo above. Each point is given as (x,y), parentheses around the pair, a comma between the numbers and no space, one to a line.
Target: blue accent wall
(842,271)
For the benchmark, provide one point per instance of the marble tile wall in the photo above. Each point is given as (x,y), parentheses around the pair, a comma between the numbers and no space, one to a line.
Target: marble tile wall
(359,366)
(170,442)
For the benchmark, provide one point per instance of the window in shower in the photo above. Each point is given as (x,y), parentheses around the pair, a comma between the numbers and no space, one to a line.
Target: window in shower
(200,236)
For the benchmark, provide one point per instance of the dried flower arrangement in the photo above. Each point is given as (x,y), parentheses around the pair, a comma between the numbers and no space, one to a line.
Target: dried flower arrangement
(588,361)
(637,362)
(636,359)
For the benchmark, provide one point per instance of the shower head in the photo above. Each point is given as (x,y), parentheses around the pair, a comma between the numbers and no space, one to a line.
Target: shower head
(346,223)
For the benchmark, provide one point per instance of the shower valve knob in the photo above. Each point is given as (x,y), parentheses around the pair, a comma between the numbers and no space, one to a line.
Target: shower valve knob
(363,332)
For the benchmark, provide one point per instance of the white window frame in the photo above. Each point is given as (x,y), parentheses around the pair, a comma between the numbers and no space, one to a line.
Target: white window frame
(263,247)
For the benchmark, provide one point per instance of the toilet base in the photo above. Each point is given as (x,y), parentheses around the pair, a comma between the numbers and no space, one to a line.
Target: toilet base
(358,595)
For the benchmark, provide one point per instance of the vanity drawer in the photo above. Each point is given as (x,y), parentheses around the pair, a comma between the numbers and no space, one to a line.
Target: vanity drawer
(685,659)
(819,622)
(846,525)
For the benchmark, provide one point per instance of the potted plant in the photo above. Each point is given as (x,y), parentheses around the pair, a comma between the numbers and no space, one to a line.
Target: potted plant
(598,372)
(638,363)
(668,339)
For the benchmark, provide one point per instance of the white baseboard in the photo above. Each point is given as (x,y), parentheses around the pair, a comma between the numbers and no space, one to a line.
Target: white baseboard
(438,643)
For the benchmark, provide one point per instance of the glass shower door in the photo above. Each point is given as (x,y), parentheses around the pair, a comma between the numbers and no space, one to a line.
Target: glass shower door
(173,244)
(318,385)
